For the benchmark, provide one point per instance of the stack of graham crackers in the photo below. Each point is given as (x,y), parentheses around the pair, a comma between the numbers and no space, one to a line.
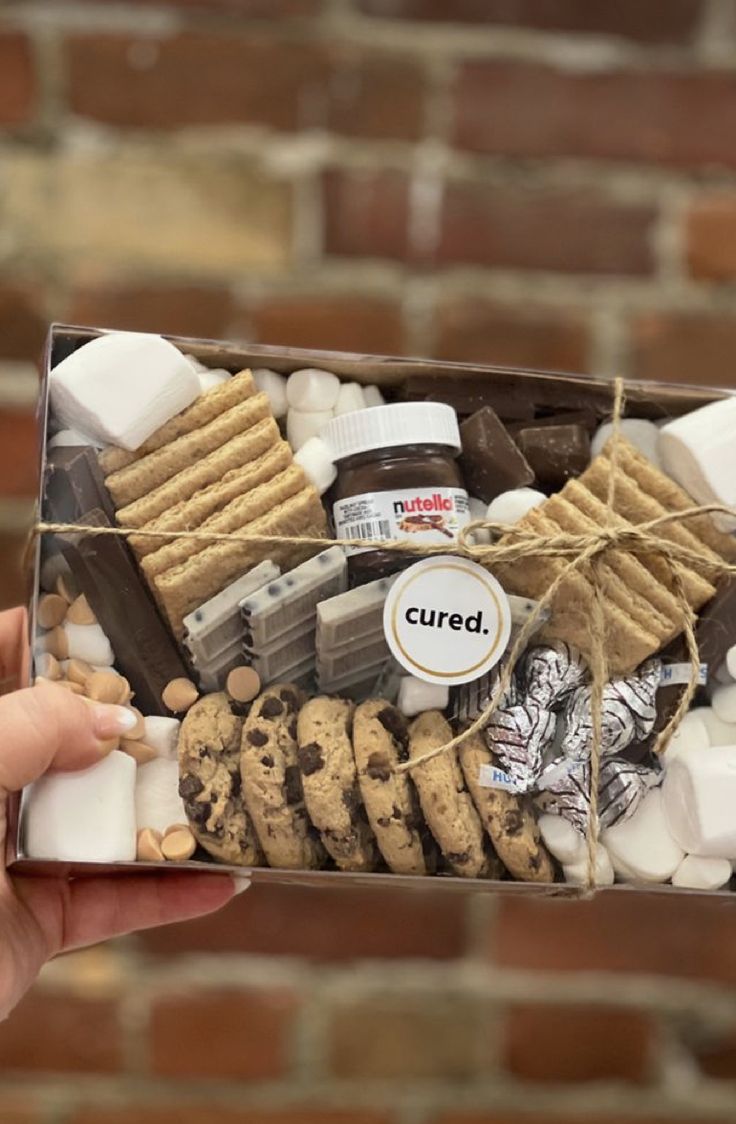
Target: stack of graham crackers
(219,466)
(640,610)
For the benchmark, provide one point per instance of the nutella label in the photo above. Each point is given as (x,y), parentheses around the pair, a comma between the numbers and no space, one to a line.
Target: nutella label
(423,515)
(446,620)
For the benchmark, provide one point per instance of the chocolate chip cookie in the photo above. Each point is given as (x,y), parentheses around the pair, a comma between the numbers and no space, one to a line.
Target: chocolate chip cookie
(380,742)
(507,817)
(210,784)
(330,781)
(446,802)
(272,783)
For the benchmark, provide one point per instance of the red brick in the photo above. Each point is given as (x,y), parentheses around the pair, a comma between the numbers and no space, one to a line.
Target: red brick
(18,1111)
(247,9)
(14,580)
(61,1033)
(511,1117)
(340,323)
(404,1037)
(717,1058)
(688,347)
(529,109)
(184,310)
(17,79)
(634,932)
(480,331)
(207,1113)
(23,321)
(18,453)
(366,213)
(570,232)
(577,1044)
(237,1034)
(339,924)
(139,82)
(674,22)
(711,238)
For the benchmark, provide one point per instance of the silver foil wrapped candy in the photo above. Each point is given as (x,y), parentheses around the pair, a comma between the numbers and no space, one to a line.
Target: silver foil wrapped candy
(518,736)
(628,711)
(565,790)
(550,672)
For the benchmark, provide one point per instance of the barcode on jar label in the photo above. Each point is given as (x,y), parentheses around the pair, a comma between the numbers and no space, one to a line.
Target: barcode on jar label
(377,529)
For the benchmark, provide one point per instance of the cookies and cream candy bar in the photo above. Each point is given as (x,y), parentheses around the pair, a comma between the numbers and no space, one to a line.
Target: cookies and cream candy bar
(217,624)
(279,662)
(293,598)
(353,660)
(353,614)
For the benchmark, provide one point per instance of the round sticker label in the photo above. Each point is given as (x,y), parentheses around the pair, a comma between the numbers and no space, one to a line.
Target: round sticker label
(447,620)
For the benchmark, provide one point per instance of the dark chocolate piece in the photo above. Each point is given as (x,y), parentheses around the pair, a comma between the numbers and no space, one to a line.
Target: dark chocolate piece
(490,461)
(585,417)
(555,453)
(144,649)
(74,483)
(506,396)
(715,632)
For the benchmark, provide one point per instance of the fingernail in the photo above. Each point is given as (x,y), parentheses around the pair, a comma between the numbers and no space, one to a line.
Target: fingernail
(112,721)
(240,884)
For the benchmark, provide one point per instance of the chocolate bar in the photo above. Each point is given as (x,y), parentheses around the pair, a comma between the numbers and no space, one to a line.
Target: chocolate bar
(490,461)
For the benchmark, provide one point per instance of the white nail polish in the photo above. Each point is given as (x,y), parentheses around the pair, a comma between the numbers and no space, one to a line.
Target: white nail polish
(240,884)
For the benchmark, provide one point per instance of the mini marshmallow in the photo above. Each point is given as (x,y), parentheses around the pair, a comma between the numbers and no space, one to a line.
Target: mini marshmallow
(88,642)
(719,733)
(211,378)
(512,506)
(162,734)
(731,661)
(416,695)
(698,450)
(577,873)
(697,873)
(87,816)
(158,804)
(562,840)
(699,792)
(311,390)
(373,396)
(642,434)
(316,460)
(691,736)
(300,426)
(478,509)
(350,397)
(723,701)
(643,848)
(121,387)
(69,437)
(273,386)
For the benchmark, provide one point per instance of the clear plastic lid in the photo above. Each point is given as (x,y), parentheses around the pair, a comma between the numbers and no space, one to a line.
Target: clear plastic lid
(387,427)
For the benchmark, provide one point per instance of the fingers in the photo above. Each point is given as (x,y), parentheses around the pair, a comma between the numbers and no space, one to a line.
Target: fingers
(45,726)
(13,649)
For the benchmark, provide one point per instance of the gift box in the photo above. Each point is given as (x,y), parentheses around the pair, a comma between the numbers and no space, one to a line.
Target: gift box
(185,566)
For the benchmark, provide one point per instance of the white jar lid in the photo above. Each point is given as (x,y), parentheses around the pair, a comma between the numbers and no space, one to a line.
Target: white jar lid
(385,427)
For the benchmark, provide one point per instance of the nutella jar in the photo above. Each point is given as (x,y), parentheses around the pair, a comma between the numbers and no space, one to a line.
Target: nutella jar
(398,478)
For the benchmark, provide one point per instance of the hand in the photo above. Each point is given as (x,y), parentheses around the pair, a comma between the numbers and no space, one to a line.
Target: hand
(46,727)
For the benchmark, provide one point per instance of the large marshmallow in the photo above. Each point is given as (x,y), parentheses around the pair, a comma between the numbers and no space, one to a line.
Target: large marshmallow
(300,427)
(316,459)
(698,450)
(162,734)
(417,695)
(373,396)
(350,398)
(723,701)
(273,386)
(87,816)
(478,509)
(89,643)
(68,437)
(643,848)
(731,661)
(158,804)
(510,507)
(577,873)
(210,378)
(642,434)
(691,736)
(699,794)
(697,873)
(311,390)
(561,839)
(121,387)
(719,732)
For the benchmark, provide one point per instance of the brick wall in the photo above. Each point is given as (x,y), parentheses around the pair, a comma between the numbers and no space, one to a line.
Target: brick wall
(538,182)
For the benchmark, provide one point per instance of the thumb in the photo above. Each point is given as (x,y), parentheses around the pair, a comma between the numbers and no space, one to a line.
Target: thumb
(47,727)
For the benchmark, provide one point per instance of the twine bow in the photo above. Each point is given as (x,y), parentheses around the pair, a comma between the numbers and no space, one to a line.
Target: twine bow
(582,553)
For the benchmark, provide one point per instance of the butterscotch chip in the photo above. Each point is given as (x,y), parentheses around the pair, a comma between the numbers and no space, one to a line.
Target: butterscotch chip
(79,672)
(107,687)
(47,666)
(139,751)
(148,849)
(80,612)
(69,685)
(56,643)
(110,745)
(179,694)
(139,729)
(176,827)
(178,846)
(243,684)
(66,587)
(51,610)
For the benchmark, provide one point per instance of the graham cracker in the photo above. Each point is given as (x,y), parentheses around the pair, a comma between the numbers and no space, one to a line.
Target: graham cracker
(204,409)
(233,517)
(183,589)
(672,497)
(204,473)
(139,478)
(191,513)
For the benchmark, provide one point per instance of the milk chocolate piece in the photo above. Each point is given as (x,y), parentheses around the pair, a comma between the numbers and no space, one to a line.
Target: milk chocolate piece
(490,462)
(555,453)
